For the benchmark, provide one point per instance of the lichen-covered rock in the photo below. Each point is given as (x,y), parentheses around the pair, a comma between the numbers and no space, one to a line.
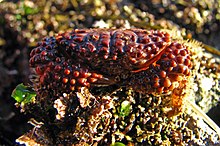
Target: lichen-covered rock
(102,122)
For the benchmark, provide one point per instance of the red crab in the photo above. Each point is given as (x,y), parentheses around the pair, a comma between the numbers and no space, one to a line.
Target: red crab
(147,61)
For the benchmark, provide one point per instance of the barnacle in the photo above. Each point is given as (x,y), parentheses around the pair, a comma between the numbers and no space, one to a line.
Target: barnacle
(147,61)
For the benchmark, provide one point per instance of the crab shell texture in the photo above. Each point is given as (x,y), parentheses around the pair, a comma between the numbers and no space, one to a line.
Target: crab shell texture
(148,61)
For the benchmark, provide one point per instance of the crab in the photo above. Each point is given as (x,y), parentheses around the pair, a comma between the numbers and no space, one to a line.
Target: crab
(149,62)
